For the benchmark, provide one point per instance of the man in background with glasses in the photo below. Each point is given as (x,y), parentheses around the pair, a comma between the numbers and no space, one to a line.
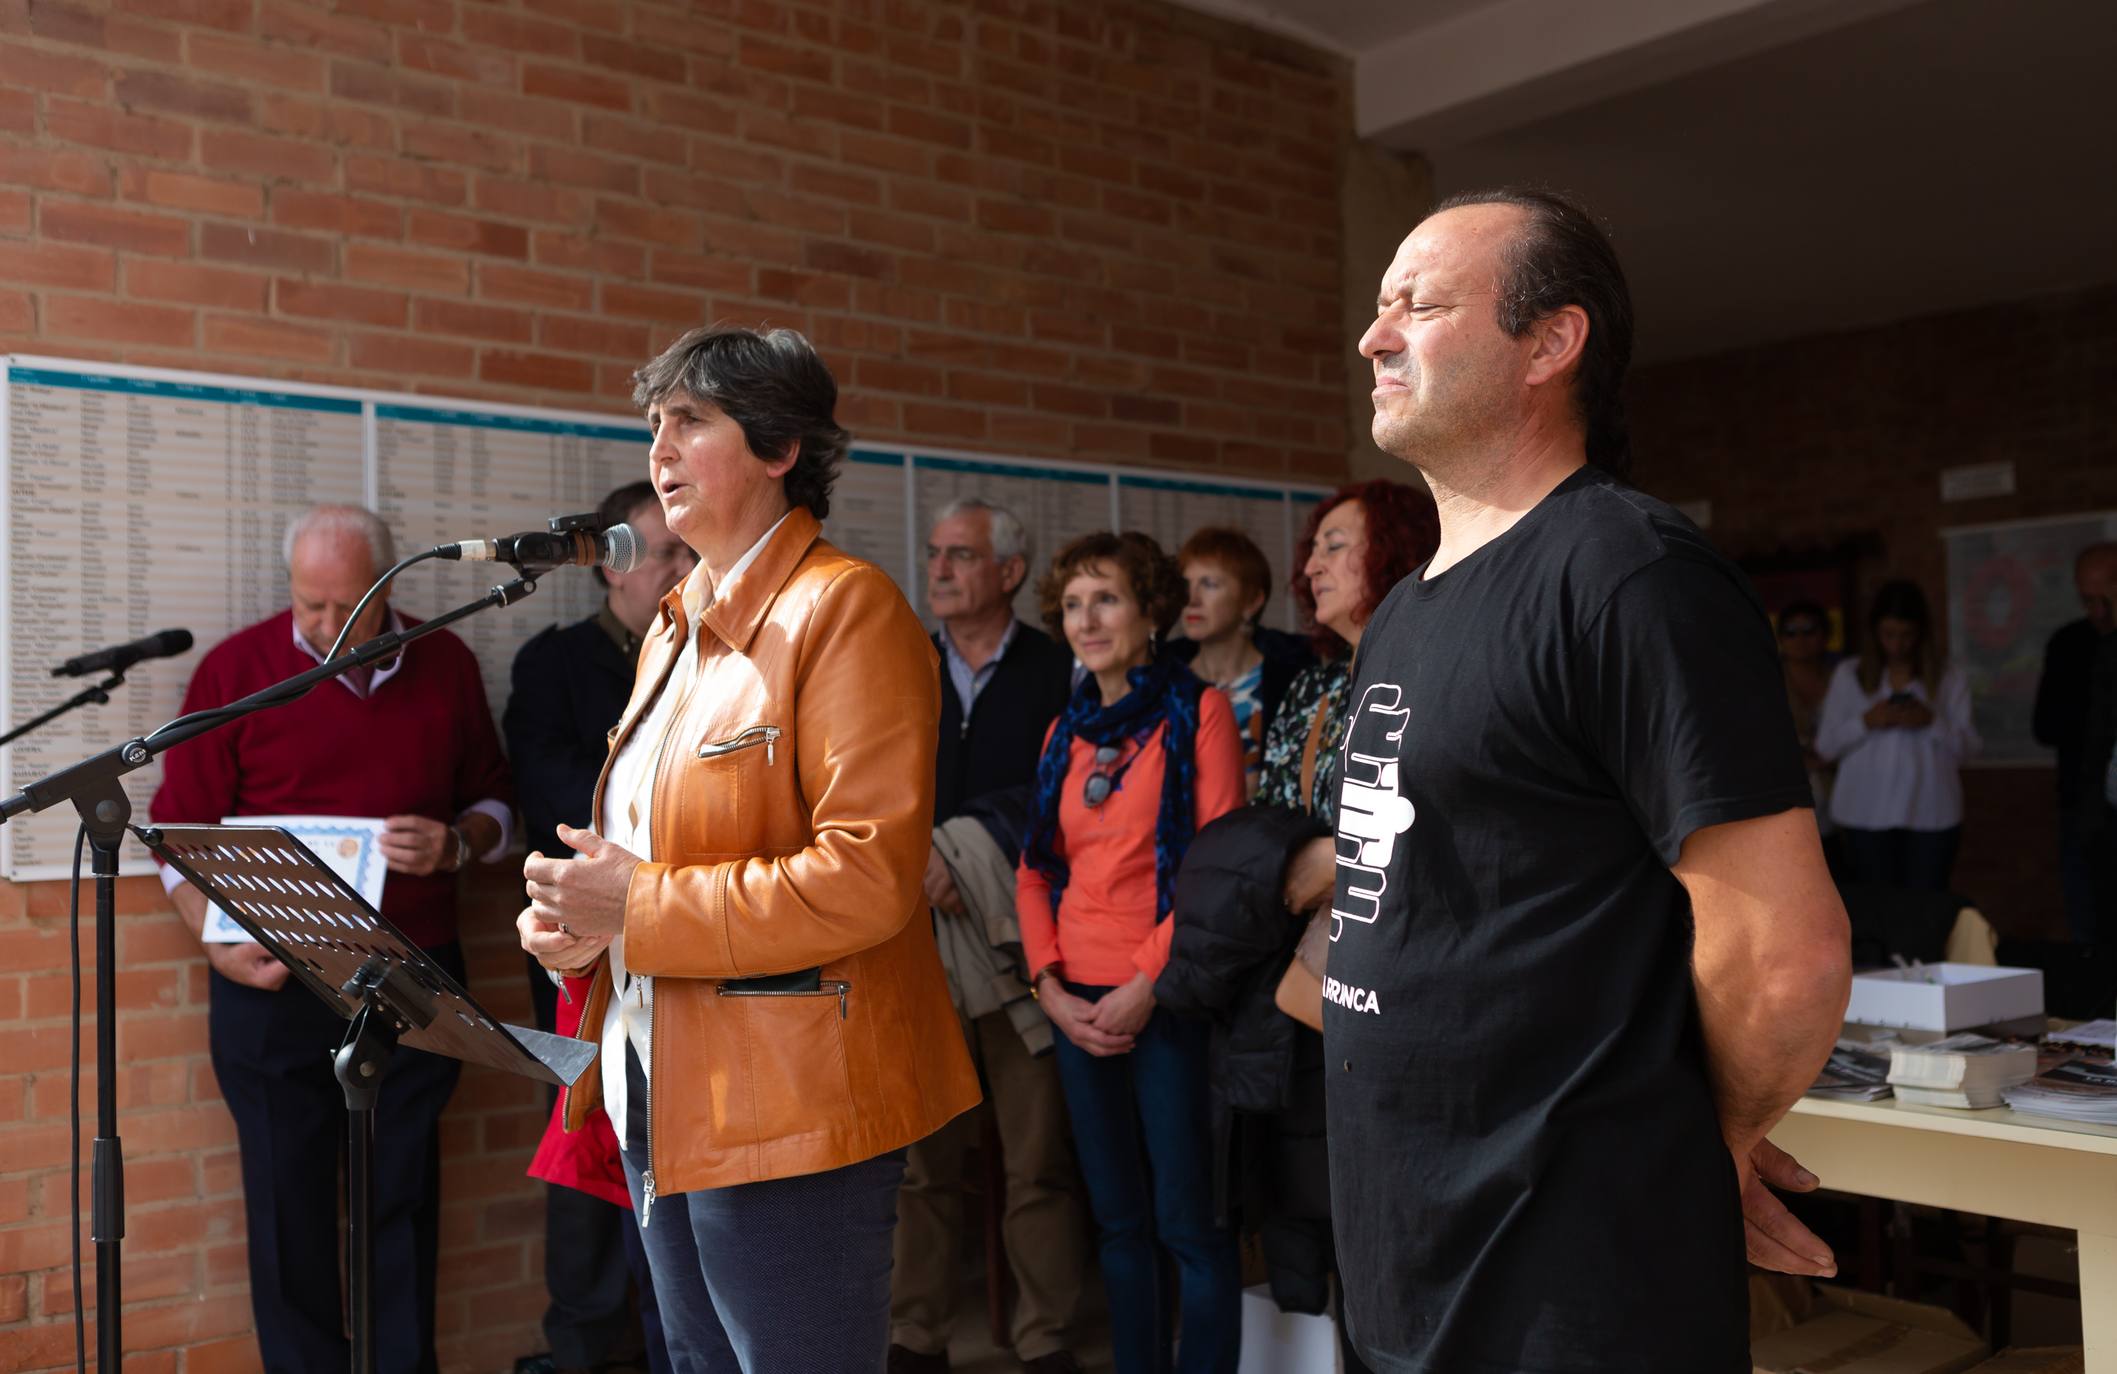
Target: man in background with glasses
(1003,683)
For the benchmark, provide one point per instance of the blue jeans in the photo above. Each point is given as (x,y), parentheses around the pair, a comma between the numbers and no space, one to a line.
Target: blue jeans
(1143,1128)
(1920,860)
(787,1274)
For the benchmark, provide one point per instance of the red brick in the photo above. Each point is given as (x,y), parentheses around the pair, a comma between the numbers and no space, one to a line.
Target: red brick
(479,65)
(703,273)
(273,64)
(573,334)
(54,169)
(463,145)
(849,259)
(180,191)
(464,234)
(268,339)
(549,371)
(266,248)
(527,286)
(283,159)
(114,321)
(518,34)
(357,216)
(405,180)
(573,252)
(412,355)
(652,224)
(781,59)
(18,112)
(532,201)
(193,284)
(234,15)
(129,231)
(597,171)
(300,25)
(177,95)
(579,87)
(380,86)
(473,321)
(326,121)
(416,271)
(636,59)
(101,126)
(682,308)
(346,304)
(18,314)
(40,69)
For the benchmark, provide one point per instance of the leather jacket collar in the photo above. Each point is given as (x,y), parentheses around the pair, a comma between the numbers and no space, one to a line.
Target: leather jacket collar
(735,616)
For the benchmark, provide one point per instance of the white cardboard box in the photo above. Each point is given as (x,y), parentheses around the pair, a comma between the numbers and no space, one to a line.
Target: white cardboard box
(1945,997)
(1275,1342)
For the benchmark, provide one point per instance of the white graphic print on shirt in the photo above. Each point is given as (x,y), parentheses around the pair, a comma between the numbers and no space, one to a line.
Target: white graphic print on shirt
(1372,810)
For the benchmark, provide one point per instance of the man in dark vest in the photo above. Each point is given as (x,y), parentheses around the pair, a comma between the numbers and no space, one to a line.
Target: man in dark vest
(571,683)
(1002,685)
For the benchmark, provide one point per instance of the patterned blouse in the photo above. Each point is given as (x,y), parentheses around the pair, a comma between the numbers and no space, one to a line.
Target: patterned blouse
(1323,685)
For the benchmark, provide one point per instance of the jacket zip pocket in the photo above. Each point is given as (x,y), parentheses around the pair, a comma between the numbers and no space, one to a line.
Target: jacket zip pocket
(827,988)
(766,735)
(647,1093)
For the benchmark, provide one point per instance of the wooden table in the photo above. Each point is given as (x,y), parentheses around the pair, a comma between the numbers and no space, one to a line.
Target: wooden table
(1998,1163)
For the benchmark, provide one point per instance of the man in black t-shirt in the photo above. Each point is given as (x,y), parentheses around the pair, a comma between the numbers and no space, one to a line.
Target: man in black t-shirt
(1585,949)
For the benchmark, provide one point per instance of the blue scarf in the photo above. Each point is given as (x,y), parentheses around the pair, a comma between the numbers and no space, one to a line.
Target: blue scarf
(1163,691)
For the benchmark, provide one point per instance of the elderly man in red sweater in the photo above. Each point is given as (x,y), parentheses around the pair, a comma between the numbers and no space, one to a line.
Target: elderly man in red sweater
(412,742)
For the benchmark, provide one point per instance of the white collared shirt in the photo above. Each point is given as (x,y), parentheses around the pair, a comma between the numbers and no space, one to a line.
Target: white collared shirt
(628,801)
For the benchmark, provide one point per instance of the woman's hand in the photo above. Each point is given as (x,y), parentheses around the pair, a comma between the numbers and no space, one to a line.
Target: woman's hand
(1124,1010)
(1883,715)
(1914,715)
(1075,1018)
(554,948)
(584,895)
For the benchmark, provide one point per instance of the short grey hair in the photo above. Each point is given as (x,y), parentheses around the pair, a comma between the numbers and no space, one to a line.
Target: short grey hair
(357,521)
(1009,538)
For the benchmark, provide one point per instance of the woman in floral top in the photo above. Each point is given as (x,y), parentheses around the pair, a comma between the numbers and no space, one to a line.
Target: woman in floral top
(1361,542)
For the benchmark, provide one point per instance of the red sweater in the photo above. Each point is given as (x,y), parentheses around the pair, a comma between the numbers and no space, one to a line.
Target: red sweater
(422,743)
(1105,928)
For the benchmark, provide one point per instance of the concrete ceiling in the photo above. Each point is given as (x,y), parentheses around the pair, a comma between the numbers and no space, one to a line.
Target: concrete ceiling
(1768,168)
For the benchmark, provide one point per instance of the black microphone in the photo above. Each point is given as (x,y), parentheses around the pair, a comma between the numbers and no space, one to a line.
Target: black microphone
(119,657)
(617,548)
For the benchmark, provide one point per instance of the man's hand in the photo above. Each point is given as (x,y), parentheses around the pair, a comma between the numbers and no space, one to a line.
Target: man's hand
(1123,1011)
(1775,1238)
(584,895)
(417,845)
(1075,1018)
(940,886)
(1311,874)
(554,948)
(248,963)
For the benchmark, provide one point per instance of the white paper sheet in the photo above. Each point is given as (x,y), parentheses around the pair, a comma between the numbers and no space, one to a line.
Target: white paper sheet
(346,843)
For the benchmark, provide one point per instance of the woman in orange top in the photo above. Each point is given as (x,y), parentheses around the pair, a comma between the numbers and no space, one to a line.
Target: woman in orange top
(1143,756)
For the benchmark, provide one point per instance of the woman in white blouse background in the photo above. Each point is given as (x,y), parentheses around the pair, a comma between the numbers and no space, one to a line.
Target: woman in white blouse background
(1897,723)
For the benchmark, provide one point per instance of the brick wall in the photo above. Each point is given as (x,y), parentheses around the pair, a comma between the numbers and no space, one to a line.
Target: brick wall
(1080,228)
(1800,445)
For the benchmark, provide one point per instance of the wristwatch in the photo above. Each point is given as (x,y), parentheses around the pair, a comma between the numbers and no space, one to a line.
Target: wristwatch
(462,849)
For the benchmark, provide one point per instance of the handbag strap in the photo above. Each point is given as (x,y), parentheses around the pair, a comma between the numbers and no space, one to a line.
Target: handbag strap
(1309,748)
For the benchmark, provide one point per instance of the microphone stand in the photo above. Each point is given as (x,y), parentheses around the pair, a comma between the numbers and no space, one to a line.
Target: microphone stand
(98,695)
(92,787)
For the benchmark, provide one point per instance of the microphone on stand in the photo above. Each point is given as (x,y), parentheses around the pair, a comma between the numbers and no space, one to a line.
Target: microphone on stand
(617,548)
(119,657)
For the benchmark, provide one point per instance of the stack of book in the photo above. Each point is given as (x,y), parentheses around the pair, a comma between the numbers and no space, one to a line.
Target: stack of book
(1855,1073)
(1966,1070)
(2077,1090)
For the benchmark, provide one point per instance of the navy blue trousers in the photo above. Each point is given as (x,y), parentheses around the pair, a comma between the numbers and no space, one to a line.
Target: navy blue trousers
(1142,1128)
(272,1058)
(759,1278)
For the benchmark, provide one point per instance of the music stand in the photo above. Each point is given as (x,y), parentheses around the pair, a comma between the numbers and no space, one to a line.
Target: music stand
(343,951)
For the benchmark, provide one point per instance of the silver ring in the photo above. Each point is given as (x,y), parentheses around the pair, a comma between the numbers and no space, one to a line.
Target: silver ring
(565,929)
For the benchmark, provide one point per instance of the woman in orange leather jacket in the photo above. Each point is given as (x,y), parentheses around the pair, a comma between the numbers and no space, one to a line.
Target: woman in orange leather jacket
(775,1024)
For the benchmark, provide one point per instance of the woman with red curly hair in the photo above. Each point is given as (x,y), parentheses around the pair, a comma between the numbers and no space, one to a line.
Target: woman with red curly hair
(1363,540)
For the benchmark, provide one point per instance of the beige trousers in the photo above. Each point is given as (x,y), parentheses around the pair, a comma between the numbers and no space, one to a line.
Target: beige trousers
(1044,1226)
